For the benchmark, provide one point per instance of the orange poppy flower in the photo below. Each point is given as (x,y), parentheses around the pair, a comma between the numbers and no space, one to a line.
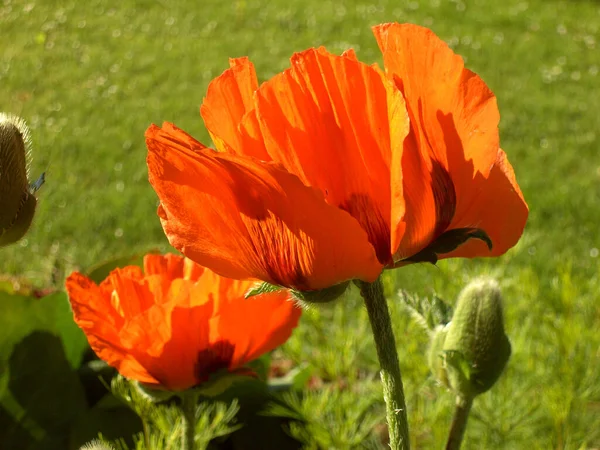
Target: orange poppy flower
(177,323)
(334,170)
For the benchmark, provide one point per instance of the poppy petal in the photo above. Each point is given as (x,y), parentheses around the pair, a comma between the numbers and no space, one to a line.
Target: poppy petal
(268,320)
(161,270)
(133,294)
(436,84)
(498,209)
(162,338)
(247,219)
(169,266)
(94,314)
(328,119)
(228,111)
(454,130)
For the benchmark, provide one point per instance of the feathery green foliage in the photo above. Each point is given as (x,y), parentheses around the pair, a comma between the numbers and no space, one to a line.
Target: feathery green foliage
(162,422)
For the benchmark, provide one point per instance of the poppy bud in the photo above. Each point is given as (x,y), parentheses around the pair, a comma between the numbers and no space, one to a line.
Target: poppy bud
(475,348)
(96,445)
(17,199)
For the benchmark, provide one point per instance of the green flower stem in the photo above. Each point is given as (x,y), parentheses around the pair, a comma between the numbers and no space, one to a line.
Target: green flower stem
(459,422)
(393,392)
(146,430)
(188,415)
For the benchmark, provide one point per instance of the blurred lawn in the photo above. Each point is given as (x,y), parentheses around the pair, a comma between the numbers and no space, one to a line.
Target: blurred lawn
(89,77)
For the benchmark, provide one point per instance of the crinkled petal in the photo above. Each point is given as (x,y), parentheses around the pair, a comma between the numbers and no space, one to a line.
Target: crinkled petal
(101,323)
(228,111)
(329,120)
(454,131)
(167,340)
(498,208)
(256,325)
(132,293)
(244,218)
(169,266)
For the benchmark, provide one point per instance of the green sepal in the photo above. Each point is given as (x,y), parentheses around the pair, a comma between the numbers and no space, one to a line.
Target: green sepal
(221,381)
(263,288)
(153,394)
(326,295)
(448,242)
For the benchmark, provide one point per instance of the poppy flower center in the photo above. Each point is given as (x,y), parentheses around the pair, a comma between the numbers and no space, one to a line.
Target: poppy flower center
(363,209)
(210,360)
(444,196)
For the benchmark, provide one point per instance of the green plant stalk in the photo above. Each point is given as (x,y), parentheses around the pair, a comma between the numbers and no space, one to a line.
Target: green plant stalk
(146,430)
(393,391)
(188,415)
(459,422)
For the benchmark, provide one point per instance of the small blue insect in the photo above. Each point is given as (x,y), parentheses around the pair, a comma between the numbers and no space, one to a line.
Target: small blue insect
(37,184)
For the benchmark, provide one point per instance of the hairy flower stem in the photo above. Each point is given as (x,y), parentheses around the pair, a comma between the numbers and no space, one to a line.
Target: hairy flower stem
(188,415)
(459,422)
(393,392)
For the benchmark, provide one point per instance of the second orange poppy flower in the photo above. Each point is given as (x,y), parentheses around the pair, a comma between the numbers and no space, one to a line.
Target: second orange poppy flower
(335,170)
(175,324)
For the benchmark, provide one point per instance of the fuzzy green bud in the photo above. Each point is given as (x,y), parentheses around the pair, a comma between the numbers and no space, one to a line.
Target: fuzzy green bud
(17,199)
(476,348)
(96,445)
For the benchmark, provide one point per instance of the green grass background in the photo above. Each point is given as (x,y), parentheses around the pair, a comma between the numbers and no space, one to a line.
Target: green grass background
(89,77)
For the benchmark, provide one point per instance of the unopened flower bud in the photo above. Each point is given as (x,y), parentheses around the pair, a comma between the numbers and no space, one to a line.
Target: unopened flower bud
(96,445)
(476,349)
(17,199)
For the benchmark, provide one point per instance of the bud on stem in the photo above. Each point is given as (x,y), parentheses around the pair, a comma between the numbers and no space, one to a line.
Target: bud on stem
(476,348)
(17,199)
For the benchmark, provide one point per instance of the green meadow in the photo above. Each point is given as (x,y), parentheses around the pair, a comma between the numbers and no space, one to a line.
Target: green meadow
(89,77)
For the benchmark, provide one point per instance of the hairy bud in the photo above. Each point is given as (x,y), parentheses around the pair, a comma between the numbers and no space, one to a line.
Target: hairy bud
(96,445)
(17,199)
(475,347)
